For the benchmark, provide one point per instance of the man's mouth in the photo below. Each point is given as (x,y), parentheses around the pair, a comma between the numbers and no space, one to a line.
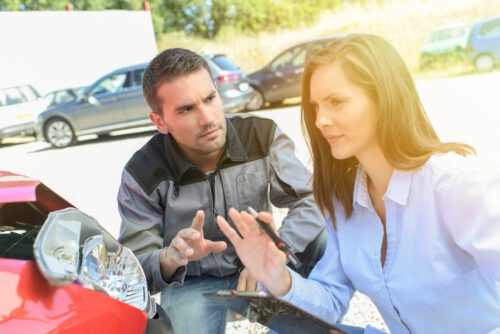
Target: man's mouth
(208,133)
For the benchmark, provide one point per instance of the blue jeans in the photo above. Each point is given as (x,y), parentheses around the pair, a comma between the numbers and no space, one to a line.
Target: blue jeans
(297,325)
(190,312)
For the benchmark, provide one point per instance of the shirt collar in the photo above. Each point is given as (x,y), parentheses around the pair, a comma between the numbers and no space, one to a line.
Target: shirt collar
(361,196)
(397,190)
(399,186)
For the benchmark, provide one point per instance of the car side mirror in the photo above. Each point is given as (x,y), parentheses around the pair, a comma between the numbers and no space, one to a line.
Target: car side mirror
(92,100)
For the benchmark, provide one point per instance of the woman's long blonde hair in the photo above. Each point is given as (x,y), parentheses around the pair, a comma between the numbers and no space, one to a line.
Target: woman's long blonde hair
(403,130)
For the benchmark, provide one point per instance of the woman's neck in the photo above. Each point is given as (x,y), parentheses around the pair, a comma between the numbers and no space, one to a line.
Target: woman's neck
(378,169)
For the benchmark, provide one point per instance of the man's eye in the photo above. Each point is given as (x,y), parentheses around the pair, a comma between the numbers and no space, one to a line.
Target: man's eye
(210,98)
(185,110)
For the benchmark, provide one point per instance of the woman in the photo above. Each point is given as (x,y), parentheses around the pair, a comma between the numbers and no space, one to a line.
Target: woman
(413,223)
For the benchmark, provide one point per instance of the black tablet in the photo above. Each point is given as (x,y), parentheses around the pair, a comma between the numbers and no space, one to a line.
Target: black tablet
(272,312)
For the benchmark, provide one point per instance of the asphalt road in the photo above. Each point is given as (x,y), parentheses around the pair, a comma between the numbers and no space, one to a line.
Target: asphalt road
(88,175)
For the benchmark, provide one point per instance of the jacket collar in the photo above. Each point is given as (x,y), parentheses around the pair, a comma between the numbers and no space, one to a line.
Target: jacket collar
(181,167)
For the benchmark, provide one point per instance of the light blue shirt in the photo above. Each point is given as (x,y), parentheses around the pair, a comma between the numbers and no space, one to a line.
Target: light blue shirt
(442,266)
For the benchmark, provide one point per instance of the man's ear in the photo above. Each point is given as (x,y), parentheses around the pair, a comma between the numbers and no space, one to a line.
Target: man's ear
(158,122)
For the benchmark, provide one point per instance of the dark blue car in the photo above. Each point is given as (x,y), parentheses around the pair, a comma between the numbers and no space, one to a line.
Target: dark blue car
(483,49)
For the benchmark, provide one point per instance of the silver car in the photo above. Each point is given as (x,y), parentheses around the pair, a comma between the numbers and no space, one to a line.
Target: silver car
(115,102)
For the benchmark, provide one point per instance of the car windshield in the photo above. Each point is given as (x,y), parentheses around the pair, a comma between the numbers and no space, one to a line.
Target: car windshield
(490,29)
(16,95)
(224,63)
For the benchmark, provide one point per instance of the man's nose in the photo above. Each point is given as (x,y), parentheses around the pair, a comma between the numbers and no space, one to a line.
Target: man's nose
(205,116)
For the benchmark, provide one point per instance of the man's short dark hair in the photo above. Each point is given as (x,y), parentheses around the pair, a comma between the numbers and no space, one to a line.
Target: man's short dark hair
(168,66)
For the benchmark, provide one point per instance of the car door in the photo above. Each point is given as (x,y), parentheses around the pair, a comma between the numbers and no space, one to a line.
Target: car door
(135,104)
(102,109)
(283,75)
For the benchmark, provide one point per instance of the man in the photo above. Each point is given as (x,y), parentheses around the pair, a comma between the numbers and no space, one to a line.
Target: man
(198,166)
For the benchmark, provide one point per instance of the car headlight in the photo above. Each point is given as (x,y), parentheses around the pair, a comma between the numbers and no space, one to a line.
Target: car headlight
(72,246)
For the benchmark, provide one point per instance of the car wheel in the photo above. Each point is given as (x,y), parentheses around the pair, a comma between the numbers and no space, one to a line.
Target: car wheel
(257,102)
(59,133)
(484,63)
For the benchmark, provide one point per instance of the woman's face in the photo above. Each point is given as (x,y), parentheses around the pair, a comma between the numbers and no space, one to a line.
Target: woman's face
(345,114)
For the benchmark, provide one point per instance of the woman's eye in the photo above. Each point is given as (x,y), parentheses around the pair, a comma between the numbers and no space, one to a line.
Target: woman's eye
(335,102)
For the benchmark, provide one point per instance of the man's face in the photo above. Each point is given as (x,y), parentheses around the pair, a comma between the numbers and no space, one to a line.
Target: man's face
(193,114)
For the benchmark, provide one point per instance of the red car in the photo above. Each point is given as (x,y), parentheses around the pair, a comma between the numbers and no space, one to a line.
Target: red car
(60,271)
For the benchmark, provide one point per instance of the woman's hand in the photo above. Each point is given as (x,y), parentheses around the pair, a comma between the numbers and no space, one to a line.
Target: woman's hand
(257,251)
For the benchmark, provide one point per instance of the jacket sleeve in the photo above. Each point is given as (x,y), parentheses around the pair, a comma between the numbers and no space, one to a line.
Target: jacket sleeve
(291,187)
(142,230)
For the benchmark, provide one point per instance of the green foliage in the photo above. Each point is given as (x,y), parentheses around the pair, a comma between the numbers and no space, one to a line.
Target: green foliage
(203,18)
(206,18)
(9,4)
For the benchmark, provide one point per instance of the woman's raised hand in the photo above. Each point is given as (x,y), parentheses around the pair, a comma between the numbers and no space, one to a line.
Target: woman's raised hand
(257,251)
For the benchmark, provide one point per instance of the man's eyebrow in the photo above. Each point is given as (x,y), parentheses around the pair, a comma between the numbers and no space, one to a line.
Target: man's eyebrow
(186,106)
(213,92)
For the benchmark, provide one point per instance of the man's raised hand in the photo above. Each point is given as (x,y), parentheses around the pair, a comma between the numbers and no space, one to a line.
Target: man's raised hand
(188,245)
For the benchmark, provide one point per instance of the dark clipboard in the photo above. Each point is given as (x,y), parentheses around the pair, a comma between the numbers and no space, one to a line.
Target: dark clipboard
(266,310)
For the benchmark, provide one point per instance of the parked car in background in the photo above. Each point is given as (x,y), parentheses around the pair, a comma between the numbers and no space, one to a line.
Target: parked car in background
(281,78)
(115,102)
(61,96)
(61,271)
(443,43)
(19,107)
(232,82)
(483,49)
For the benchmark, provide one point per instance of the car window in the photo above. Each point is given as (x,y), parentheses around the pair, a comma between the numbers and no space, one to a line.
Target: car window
(28,92)
(136,78)
(314,48)
(490,29)
(225,63)
(111,84)
(63,97)
(11,96)
(293,57)
(449,33)
(50,98)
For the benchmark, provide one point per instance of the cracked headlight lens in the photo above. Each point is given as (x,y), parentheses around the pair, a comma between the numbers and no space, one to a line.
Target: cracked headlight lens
(72,246)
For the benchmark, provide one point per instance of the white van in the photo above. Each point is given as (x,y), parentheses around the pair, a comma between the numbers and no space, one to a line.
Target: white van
(19,108)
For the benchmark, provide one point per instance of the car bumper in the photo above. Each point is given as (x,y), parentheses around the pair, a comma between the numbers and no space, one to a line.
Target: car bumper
(31,305)
(237,102)
(28,128)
